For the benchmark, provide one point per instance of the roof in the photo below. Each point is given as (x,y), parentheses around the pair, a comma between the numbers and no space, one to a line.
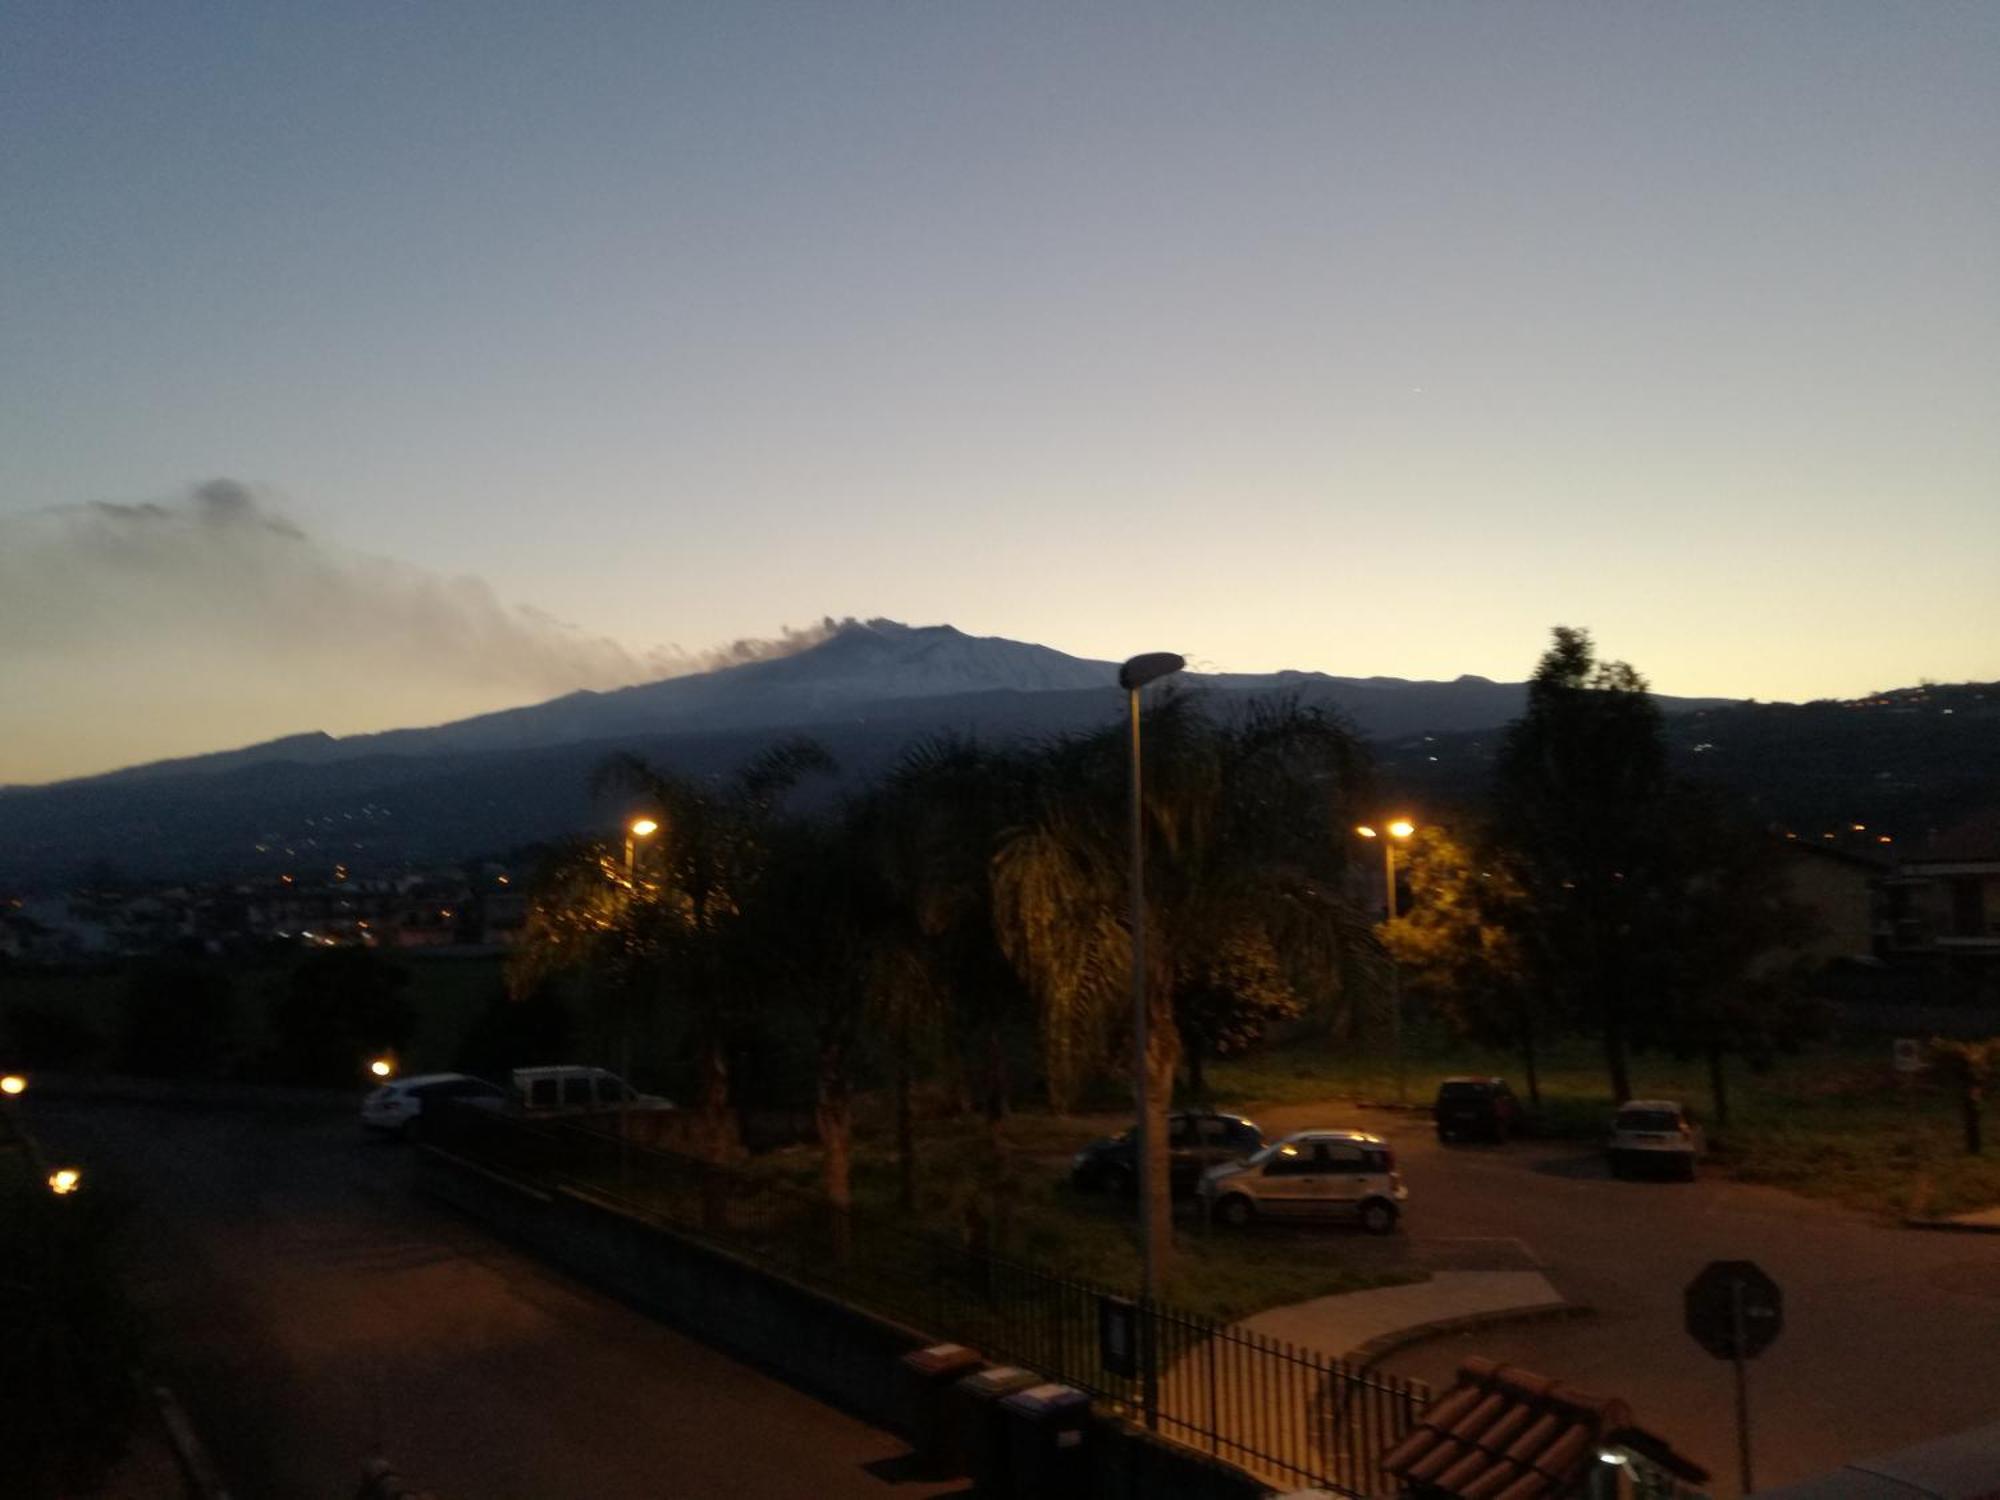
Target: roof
(414,1080)
(1976,840)
(1336,1135)
(1502,1433)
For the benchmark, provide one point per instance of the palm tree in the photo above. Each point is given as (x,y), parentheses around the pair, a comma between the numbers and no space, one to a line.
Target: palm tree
(1246,831)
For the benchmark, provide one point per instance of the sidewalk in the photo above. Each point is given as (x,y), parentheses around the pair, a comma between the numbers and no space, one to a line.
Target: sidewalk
(1363,1326)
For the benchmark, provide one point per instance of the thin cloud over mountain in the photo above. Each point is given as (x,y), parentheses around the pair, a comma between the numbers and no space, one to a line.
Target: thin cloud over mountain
(131,631)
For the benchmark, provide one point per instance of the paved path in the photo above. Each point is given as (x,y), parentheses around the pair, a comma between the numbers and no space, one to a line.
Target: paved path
(314,1311)
(1340,1326)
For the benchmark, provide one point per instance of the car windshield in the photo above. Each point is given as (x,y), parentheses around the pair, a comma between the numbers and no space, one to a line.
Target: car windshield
(1648,1120)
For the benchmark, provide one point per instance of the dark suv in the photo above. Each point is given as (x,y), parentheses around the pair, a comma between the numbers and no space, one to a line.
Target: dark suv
(1476,1109)
(1196,1141)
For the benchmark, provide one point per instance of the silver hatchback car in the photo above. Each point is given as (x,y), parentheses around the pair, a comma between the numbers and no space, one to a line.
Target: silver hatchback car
(1337,1174)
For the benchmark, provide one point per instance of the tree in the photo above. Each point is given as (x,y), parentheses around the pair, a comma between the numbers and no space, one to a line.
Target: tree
(1225,1002)
(177,1018)
(671,933)
(1246,835)
(1461,944)
(1728,990)
(1580,794)
(342,1006)
(1969,1066)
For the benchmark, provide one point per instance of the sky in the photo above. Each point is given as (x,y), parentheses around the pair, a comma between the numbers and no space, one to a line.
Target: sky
(378,363)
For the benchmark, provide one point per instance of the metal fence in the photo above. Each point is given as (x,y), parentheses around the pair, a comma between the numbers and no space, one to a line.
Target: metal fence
(1293,1416)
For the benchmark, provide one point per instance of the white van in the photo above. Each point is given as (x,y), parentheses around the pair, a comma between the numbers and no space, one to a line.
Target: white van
(571,1088)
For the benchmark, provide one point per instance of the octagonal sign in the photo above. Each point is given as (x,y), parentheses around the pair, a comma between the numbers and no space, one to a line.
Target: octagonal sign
(1713,1309)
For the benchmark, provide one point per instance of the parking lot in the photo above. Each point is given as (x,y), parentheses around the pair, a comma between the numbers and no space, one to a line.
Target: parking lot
(1889,1334)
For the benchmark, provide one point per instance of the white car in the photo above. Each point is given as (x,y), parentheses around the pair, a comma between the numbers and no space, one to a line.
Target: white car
(1346,1174)
(571,1088)
(396,1107)
(1654,1133)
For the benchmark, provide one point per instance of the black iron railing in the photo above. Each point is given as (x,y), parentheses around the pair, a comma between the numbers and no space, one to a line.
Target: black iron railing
(1295,1416)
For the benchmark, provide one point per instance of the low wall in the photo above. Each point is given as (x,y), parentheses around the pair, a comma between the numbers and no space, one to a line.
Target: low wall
(847,1356)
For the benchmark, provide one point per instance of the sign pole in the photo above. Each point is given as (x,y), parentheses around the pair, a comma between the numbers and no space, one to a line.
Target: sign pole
(1742,1386)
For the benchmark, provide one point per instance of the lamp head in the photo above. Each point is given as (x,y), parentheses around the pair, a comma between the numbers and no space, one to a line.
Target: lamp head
(1151,667)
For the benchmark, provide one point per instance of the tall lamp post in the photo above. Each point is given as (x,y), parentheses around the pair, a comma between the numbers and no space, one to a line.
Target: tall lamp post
(1396,830)
(635,831)
(1155,1223)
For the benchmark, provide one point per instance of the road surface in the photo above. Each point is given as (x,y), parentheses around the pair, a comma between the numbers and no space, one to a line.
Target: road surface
(314,1311)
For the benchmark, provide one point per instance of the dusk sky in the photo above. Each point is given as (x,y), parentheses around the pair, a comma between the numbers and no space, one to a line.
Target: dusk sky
(1369,338)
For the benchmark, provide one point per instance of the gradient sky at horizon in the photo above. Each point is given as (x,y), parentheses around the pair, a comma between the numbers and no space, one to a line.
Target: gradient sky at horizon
(1370,338)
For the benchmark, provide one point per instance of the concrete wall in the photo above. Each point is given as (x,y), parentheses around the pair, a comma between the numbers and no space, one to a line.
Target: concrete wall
(847,1356)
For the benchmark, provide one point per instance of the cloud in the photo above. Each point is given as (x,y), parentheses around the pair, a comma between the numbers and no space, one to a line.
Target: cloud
(134,631)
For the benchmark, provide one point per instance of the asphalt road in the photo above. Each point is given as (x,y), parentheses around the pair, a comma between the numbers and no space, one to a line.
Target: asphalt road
(1891,1336)
(314,1311)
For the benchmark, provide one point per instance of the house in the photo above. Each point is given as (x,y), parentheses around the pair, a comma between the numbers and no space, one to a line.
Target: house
(1951,891)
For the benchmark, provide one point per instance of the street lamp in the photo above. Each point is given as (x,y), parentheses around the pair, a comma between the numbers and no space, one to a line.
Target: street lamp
(638,828)
(382,1067)
(65,1180)
(13,1083)
(1397,830)
(1155,1221)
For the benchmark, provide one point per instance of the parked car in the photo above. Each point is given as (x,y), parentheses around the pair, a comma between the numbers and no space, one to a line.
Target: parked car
(1312,1174)
(1482,1109)
(397,1106)
(572,1088)
(1656,1135)
(1196,1141)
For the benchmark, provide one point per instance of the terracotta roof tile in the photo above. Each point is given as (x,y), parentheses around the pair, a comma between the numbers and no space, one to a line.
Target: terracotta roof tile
(1506,1434)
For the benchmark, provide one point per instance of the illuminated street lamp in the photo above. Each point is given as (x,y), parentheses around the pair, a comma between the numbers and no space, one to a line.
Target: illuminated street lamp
(12,1084)
(638,828)
(382,1067)
(65,1180)
(1397,830)
(1155,1221)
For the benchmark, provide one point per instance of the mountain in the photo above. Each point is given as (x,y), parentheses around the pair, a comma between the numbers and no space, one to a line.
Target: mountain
(877,670)
(500,780)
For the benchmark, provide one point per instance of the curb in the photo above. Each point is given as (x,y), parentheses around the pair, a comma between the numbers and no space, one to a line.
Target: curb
(1379,1348)
(1951,1226)
(204,1481)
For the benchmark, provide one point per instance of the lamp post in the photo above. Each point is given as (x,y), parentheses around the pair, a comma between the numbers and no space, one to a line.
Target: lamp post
(637,829)
(1397,830)
(1155,1221)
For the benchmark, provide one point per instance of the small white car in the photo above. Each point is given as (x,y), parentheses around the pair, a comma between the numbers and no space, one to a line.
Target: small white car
(1654,1134)
(571,1088)
(396,1106)
(1346,1174)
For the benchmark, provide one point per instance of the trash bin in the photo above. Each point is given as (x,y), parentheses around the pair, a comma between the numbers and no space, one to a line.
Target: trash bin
(1046,1431)
(925,1379)
(979,1438)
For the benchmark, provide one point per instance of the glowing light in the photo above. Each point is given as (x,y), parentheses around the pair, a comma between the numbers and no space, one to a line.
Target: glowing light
(64,1180)
(643,828)
(1365,831)
(1402,828)
(13,1083)
(382,1067)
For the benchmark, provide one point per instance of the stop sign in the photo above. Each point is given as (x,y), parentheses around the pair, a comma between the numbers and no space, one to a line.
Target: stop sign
(1713,1303)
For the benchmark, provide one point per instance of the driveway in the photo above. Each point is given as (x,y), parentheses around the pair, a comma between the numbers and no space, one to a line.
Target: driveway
(1891,1335)
(314,1311)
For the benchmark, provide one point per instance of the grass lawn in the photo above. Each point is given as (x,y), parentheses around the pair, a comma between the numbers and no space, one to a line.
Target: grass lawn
(1087,1236)
(1834,1122)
